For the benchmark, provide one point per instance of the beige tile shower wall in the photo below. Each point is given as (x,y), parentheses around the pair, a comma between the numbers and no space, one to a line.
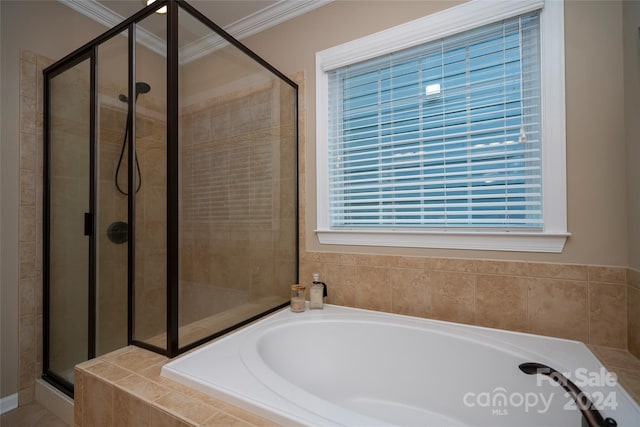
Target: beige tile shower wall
(112,307)
(231,211)
(112,207)
(151,250)
(580,302)
(30,229)
(151,219)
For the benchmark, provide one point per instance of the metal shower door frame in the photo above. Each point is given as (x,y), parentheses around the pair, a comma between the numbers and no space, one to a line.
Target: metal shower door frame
(90,51)
(89,217)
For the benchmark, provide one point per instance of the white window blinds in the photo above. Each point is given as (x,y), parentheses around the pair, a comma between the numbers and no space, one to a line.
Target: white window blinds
(441,135)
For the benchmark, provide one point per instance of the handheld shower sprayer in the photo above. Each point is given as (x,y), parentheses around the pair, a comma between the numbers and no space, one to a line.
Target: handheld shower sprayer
(141,88)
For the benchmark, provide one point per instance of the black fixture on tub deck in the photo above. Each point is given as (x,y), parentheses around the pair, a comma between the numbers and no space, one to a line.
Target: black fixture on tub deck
(591,417)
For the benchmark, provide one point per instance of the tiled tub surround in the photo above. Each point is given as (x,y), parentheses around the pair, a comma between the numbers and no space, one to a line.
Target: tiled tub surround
(125,389)
(348,366)
(579,302)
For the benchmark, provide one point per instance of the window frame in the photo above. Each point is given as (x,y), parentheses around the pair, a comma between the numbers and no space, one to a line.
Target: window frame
(472,14)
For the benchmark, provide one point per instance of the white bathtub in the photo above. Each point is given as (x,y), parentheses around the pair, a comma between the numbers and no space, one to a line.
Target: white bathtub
(348,367)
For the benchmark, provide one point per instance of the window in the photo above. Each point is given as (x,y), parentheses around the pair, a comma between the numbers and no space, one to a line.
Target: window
(440,136)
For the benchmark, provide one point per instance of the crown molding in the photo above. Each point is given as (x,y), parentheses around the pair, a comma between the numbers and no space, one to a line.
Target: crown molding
(109,18)
(272,15)
(95,11)
(261,20)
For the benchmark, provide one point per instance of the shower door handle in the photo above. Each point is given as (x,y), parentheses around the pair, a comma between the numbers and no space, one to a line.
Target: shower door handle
(88,224)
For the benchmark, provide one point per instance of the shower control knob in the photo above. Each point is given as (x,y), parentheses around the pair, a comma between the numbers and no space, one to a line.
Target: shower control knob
(118,232)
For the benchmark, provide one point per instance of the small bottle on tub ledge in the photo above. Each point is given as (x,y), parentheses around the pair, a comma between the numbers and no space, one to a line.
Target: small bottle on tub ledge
(297,298)
(317,292)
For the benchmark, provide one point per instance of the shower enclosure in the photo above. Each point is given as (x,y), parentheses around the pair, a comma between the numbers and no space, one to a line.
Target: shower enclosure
(170,195)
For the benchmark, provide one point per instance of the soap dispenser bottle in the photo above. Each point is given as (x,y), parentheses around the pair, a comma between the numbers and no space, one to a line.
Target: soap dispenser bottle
(317,292)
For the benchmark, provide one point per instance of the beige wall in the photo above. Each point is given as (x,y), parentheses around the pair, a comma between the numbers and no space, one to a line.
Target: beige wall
(597,215)
(631,42)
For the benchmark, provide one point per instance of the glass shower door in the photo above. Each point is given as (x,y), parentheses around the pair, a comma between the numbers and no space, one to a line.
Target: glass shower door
(112,163)
(68,247)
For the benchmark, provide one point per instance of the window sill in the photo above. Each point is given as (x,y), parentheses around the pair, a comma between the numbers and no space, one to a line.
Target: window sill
(477,240)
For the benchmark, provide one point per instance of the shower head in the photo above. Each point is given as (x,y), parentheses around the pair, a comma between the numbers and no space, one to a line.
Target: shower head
(141,87)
